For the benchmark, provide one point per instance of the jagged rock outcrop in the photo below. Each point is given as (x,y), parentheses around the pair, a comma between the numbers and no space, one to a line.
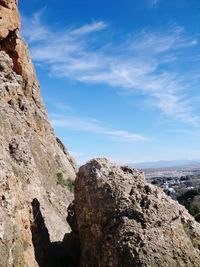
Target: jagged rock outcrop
(31,158)
(124,221)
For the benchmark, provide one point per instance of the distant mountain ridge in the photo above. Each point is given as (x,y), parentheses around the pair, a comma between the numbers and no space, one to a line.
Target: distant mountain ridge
(165,164)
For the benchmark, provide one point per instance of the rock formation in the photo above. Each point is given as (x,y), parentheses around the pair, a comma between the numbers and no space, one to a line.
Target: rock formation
(119,218)
(124,221)
(33,163)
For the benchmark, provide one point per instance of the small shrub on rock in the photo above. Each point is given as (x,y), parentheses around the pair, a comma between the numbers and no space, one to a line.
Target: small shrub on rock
(68,182)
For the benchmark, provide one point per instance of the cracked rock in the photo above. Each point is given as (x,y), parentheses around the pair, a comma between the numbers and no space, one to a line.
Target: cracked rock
(124,221)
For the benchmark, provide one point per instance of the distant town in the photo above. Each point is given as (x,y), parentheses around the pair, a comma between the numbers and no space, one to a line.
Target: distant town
(175,180)
(181,183)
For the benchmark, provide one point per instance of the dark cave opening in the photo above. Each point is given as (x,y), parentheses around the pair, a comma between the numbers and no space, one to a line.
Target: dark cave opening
(64,253)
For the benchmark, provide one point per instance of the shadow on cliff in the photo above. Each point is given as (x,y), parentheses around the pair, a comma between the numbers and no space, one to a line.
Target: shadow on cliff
(52,254)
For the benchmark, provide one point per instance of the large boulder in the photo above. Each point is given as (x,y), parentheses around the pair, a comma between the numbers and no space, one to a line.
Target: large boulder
(124,221)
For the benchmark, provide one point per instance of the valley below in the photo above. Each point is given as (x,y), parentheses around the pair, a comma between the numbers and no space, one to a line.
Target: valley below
(181,183)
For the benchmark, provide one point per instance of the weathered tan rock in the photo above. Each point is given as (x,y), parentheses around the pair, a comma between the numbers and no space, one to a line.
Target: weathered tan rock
(124,221)
(30,155)
(9,17)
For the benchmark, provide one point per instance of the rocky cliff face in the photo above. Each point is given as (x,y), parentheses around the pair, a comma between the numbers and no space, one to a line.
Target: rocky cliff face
(118,217)
(32,160)
(123,221)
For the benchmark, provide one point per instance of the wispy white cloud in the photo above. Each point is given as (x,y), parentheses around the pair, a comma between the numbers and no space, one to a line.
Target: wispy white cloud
(140,64)
(89,28)
(62,107)
(153,3)
(160,42)
(76,154)
(33,30)
(93,126)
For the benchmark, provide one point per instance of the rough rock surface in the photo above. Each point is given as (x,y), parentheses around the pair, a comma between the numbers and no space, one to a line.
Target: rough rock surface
(30,155)
(124,221)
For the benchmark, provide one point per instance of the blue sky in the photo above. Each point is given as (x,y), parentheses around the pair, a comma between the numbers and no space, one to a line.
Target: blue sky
(120,79)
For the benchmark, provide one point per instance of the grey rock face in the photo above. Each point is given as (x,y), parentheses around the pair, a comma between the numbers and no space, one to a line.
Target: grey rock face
(124,221)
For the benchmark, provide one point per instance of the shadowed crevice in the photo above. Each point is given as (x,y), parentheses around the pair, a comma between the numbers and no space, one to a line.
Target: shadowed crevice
(40,237)
(3,4)
(8,44)
(52,254)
